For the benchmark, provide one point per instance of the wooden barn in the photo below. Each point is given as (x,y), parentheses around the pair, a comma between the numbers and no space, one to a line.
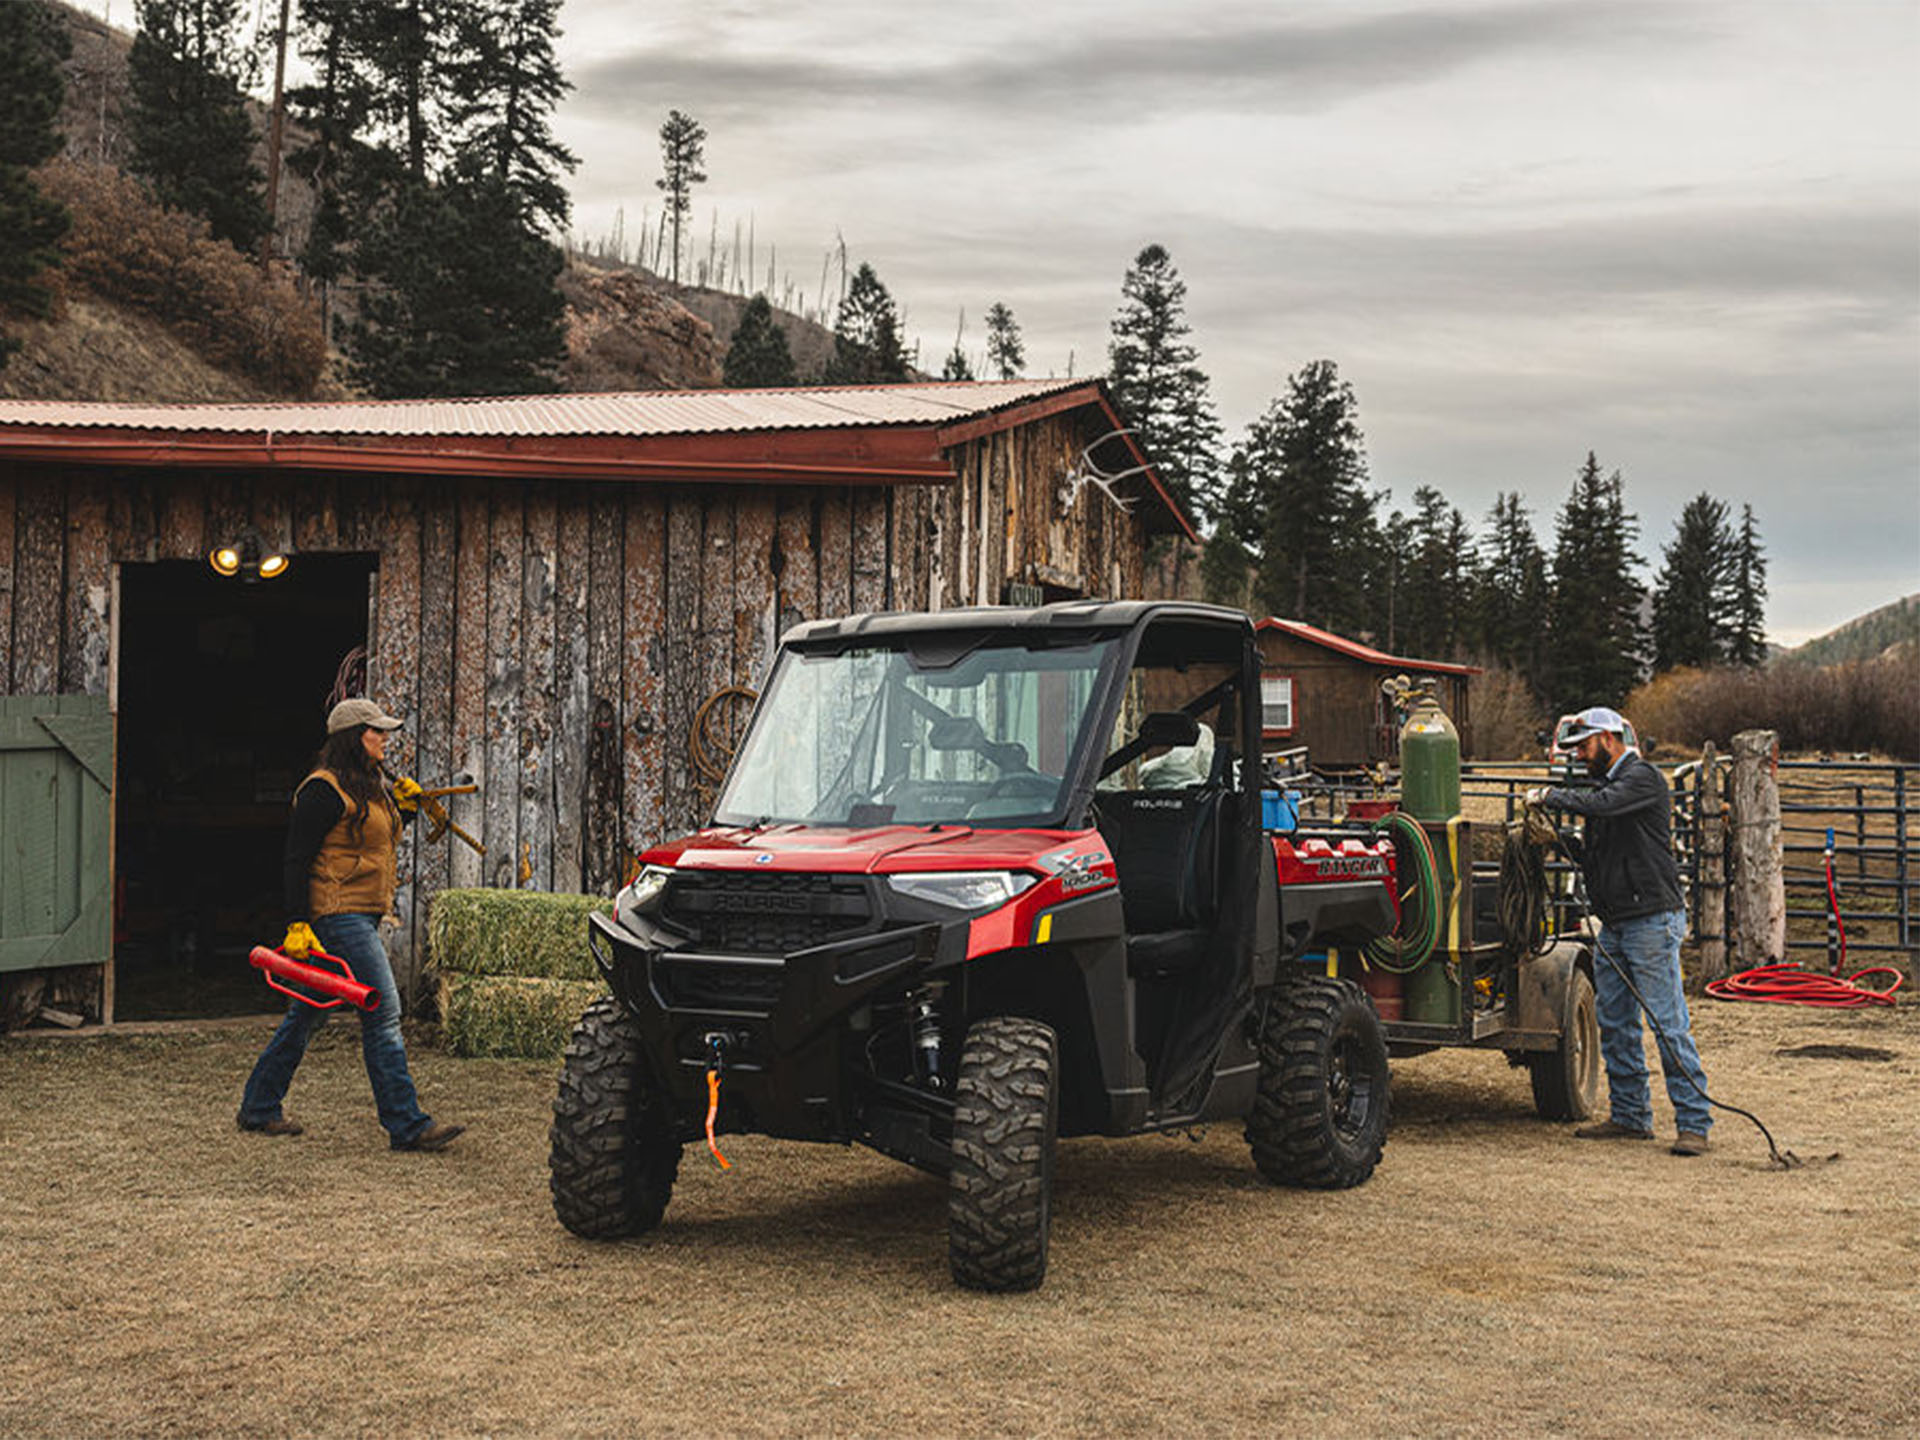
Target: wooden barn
(568,597)
(1322,691)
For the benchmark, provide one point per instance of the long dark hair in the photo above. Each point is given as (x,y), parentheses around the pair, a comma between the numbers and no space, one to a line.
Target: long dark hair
(347,758)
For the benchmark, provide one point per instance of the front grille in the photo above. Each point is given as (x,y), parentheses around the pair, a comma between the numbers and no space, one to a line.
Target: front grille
(735,913)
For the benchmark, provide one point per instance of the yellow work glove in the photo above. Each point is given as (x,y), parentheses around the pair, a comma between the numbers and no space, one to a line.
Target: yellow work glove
(300,941)
(406,793)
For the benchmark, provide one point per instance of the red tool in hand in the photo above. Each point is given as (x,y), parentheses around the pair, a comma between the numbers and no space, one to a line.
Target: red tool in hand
(343,987)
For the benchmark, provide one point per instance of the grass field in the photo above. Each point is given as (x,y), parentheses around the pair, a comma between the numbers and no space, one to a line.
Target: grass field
(170,1276)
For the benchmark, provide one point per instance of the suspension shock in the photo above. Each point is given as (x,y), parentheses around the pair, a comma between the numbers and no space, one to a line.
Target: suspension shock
(923,1020)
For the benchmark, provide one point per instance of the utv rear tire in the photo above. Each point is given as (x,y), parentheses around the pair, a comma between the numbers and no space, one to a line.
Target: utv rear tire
(1566,1079)
(1000,1191)
(1319,1120)
(613,1157)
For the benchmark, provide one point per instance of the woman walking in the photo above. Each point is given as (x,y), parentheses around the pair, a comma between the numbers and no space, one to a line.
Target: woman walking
(340,874)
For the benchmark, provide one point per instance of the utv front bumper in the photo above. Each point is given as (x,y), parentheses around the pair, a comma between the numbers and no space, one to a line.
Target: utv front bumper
(782,1024)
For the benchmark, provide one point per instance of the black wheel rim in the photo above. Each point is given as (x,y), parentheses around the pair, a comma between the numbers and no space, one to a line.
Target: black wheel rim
(1350,1085)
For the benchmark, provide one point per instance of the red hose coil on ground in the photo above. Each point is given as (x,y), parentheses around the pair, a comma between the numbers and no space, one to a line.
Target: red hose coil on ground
(1790,985)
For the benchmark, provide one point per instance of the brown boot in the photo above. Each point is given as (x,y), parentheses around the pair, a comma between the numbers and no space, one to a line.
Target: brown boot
(1687,1142)
(436,1136)
(1610,1130)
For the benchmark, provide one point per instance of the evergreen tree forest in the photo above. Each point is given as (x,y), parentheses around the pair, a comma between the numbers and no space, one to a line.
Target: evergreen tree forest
(32,45)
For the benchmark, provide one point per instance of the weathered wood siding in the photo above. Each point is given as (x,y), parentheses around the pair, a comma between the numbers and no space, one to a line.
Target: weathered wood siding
(554,641)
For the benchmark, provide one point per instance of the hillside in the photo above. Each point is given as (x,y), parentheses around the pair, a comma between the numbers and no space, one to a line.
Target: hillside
(1891,627)
(626,328)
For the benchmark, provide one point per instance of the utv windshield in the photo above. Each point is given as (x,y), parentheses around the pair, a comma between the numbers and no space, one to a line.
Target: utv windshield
(880,736)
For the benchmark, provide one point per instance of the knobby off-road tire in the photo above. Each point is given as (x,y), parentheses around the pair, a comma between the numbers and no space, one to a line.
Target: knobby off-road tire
(1000,1191)
(613,1156)
(1320,1118)
(1566,1079)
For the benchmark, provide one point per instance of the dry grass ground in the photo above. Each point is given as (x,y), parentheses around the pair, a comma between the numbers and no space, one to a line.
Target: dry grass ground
(166,1275)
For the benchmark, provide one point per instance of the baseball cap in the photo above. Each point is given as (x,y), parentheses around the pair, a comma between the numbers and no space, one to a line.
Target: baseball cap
(1597,721)
(349,713)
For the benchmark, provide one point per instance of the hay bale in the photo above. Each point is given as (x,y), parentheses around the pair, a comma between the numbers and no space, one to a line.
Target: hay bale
(513,932)
(511,1016)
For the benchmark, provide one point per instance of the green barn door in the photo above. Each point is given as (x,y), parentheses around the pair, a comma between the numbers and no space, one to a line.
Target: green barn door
(56,796)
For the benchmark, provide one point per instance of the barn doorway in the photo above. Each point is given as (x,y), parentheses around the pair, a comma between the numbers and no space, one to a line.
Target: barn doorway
(222,685)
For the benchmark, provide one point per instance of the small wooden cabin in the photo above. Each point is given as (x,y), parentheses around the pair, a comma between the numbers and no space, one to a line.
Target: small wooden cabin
(569,598)
(1322,691)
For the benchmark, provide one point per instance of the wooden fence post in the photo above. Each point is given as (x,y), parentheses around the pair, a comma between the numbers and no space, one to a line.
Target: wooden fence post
(1759,886)
(1712,923)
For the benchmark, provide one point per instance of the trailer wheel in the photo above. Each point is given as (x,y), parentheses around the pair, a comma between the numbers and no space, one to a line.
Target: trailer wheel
(1000,1190)
(1319,1120)
(613,1156)
(1566,1079)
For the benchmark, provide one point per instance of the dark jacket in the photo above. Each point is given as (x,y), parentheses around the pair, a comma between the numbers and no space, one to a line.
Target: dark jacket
(1627,854)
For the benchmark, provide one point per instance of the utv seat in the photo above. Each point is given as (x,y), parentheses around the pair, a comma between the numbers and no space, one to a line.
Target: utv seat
(1165,847)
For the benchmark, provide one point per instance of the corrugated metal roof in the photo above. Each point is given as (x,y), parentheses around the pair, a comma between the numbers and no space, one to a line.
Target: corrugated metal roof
(652,412)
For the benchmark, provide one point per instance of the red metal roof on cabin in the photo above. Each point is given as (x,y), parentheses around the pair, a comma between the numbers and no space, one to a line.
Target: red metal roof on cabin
(1314,635)
(810,435)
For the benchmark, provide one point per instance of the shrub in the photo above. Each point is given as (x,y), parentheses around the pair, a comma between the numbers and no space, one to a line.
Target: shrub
(513,932)
(1507,717)
(125,246)
(1865,705)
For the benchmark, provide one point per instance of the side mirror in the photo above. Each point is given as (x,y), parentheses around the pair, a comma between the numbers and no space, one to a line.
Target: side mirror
(1169,727)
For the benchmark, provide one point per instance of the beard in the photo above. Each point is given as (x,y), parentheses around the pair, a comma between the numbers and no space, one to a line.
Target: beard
(1599,764)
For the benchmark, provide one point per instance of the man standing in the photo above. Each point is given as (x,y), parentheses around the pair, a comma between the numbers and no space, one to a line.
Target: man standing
(1633,885)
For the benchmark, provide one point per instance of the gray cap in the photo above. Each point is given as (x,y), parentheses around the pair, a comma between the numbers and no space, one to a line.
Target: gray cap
(1597,721)
(349,713)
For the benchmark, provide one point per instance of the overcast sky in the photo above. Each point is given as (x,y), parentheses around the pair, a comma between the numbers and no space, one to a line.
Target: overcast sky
(1683,234)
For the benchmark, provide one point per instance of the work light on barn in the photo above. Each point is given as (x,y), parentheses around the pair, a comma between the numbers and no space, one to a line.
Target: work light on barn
(248,558)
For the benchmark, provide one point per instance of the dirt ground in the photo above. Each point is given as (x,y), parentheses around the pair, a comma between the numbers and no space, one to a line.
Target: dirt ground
(166,1275)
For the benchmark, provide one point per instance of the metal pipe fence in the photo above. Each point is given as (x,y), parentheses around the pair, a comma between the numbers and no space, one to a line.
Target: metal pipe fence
(1869,806)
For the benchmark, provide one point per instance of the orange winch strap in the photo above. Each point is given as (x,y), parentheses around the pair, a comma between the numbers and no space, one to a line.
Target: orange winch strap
(713,1110)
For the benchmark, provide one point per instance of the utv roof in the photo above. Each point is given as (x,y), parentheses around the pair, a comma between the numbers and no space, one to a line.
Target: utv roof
(1066,616)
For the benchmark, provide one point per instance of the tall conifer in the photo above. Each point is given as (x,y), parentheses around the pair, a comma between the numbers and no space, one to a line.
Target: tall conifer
(1744,633)
(1595,627)
(33,42)
(1690,592)
(758,353)
(1158,384)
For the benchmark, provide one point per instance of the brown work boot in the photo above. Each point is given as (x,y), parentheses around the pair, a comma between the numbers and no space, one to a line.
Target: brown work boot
(436,1136)
(281,1126)
(1689,1143)
(1611,1130)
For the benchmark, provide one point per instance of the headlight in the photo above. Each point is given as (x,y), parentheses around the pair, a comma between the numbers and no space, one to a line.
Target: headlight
(962,889)
(645,890)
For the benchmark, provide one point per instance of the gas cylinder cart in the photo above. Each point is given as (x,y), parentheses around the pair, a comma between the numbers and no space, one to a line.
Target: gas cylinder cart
(984,880)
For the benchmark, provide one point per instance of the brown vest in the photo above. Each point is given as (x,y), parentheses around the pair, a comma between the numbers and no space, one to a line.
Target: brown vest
(350,879)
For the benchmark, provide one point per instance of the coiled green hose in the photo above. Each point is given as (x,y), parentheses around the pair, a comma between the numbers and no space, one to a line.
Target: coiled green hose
(1408,947)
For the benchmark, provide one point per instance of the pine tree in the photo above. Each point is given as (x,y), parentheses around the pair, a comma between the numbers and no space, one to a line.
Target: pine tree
(1296,499)
(1511,593)
(1594,625)
(504,84)
(33,42)
(330,116)
(1689,594)
(1743,636)
(410,46)
(192,138)
(1436,590)
(866,335)
(758,353)
(1006,353)
(1157,384)
(683,151)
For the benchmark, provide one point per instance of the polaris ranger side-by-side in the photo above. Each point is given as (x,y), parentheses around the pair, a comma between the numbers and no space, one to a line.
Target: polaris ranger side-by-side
(982,878)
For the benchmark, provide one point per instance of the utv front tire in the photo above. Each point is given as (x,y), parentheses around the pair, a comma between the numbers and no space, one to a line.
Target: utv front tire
(1566,1079)
(1320,1119)
(613,1157)
(1000,1191)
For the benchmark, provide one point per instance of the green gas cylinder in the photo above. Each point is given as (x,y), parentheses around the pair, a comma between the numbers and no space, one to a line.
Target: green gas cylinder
(1429,762)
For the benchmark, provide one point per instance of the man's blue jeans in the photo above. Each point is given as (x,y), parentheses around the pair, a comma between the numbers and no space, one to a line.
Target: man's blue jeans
(1648,949)
(356,940)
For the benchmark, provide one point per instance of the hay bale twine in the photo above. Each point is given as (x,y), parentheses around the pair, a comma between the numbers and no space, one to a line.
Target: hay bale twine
(512,1016)
(513,932)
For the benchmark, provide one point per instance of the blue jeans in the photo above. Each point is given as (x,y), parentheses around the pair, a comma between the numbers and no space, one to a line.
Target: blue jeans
(1648,949)
(356,940)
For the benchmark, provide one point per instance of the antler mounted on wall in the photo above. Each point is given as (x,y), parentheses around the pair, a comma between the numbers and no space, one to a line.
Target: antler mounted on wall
(1086,471)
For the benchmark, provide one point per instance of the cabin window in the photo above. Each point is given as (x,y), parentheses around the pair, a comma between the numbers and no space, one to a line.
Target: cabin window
(1276,702)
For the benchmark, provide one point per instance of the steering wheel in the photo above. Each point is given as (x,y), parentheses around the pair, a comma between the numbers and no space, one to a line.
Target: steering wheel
(1030,781)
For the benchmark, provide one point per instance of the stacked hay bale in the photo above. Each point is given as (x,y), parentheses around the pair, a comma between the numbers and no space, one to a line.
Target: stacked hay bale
(514,969)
